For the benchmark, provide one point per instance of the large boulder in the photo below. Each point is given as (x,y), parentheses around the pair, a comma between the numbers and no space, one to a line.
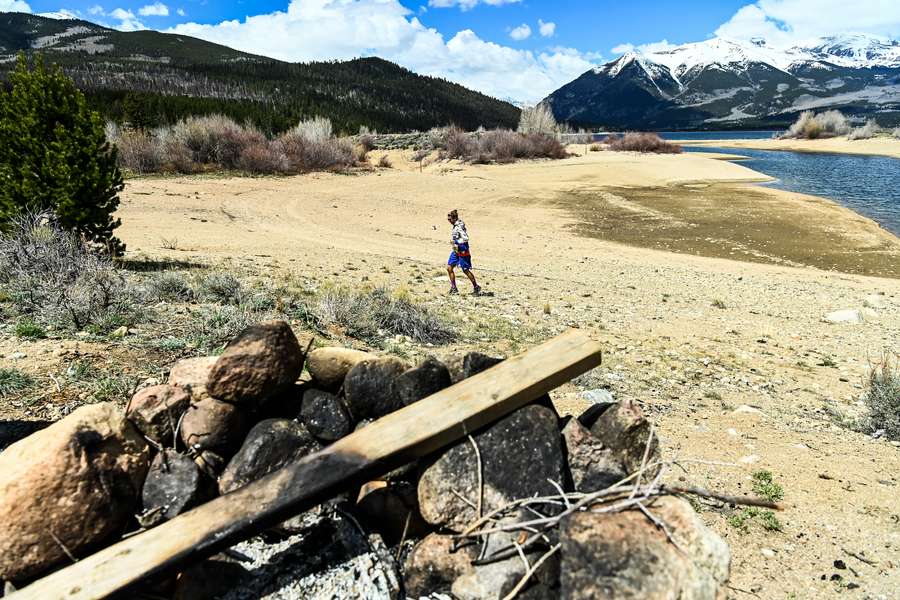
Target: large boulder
(592,466)
(519,454)
(68,487)
(325,415)
(432,566)
(192,375)
(476,362)
(329,366)
(260,361)
(156,410)
(430,377)
(173,485)
(211,425)
(625,430)
(369,387)
(270,445)
(624,556)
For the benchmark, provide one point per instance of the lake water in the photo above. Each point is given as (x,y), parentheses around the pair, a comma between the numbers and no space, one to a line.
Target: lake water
(869,185)
(718,135)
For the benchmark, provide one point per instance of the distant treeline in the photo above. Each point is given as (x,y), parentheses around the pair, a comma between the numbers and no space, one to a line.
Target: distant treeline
(275,96)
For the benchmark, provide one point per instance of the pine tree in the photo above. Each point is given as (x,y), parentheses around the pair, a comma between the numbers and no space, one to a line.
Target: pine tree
(54,155)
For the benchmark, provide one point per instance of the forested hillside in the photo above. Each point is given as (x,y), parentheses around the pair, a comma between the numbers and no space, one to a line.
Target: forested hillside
(150,78)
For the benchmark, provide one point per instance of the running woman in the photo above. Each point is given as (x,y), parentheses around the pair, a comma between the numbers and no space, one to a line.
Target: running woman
(461,256)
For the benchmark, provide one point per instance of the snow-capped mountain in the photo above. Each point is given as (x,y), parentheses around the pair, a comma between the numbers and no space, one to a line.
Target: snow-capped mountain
(729,83)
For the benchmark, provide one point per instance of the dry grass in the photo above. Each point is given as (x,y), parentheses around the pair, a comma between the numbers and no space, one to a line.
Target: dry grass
(495,146)
(812,126)
(641,142)
(883,397)
(866,132)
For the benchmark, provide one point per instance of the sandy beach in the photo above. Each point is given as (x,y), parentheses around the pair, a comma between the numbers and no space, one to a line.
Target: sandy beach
(879,146)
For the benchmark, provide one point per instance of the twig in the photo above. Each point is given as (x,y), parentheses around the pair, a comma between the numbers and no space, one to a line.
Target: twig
(643,461)
(560,490)
(660,524)
(63,546)
(522,556)
(403,535)
(58,386)
(868,561)
(463,498)
(515,591)
(480,478)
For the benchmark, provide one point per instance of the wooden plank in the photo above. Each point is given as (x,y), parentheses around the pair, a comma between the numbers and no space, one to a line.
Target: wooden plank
(414,431)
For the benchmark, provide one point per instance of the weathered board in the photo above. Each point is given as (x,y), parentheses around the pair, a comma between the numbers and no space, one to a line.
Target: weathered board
(414,431)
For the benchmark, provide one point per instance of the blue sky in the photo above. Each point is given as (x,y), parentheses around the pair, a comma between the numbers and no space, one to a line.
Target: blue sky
(516,49)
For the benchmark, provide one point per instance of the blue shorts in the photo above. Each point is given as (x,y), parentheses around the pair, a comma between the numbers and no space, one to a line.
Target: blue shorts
(463,262)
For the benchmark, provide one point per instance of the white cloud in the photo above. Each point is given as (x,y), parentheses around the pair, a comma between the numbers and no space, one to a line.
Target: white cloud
(180,12)
(650,48)
(546,29)
(96,10)
(345,29)
(63,13)
(522,32)
(623,49)
(789,21)
(468,4)
(127,20)
(157,9)
(14,6)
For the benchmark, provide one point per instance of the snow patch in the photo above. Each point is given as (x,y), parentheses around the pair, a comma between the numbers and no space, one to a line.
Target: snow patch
(49,40)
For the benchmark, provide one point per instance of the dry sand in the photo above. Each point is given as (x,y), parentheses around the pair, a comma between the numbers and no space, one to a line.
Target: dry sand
(879,146)
(730,357)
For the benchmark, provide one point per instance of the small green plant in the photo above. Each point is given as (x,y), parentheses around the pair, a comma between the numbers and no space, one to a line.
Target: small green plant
(114,388)
(713,395)
(828,361)
(13,381)
(764,485)
(743,519)
(29,330)
(719,304)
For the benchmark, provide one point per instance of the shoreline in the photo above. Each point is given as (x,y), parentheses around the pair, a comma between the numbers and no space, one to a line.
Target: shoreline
(879,146)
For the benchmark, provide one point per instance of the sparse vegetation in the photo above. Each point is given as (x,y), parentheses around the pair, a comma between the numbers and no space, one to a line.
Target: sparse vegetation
(641,142)
(169,286)
(52,278)
(765,518)
(866,132)
(717,303)
(369,315)
(385,162)
(882,397)
(596,148)
(220,287)
(28,329)
(764,485)
(13,381)
(538,119)
(812,126)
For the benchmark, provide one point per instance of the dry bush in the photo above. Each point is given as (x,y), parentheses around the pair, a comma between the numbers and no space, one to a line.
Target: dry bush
(545,146)
(385,162)
(51,276)
(367,141)
(643,142)
(596,148)
(459,144)
(311,146)
(866,132)
(220,287)
(317,129)
(369,315)
(169,286)
(139,151)
(897,133)
(498,145)
(810,126)
(264,158)
(538,119)
(882,396)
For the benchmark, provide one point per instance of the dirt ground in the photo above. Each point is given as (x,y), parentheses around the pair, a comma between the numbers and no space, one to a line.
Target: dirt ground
(708,293)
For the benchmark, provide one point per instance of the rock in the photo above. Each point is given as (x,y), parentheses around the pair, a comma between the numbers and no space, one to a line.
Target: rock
(429,377)
(874,301)
(598,396)
(261,360)
(519,454)
(173,485)
(624,429)
(325,415)
(156,410)
(844,316)
(119,332)
(454,364)
(476,362)
(592,466)
(393,512)
(329,366)
(214,426)
(270,445)
(369,387)
(432,566)
(78,480)
(192,374)
(624,556)
(744,409)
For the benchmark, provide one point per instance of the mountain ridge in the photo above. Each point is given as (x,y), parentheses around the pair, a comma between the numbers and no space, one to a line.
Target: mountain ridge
(724,82)
(151,78)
